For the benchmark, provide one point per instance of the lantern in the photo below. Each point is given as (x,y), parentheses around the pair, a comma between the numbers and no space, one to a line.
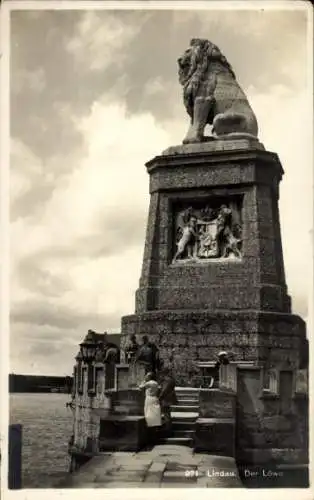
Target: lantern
(88,349)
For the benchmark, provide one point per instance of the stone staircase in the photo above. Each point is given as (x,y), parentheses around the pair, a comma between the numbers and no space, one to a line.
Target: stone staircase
(184,415)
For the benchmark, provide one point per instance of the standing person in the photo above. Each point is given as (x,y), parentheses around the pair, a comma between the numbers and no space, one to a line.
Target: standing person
(222,359)
(152,410)
(131,349)
(148,356)
(111,351)
(167,396)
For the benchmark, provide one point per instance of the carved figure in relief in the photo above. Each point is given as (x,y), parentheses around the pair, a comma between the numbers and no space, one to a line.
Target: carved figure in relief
(230,244)
(212,95)
(187,236)
(208,245)
(224,218)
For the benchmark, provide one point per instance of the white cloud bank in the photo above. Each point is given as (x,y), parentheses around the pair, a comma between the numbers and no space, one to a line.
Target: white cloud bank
(101,204)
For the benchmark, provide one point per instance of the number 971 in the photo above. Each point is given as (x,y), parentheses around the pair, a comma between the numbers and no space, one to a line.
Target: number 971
(191,473)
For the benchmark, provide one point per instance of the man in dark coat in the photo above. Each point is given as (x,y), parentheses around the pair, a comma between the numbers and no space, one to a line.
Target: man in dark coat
(167,396)
(148,356)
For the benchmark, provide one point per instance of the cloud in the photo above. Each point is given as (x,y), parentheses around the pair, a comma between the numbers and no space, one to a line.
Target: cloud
(41,354)
(81,56)
(36,274)
(31,182)
(80,266)
(42,313)
(41,76)
(281,115)
(35,81)
(99,38)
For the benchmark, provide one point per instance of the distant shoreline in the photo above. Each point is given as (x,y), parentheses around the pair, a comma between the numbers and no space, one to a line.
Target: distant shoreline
(39,383)
(48,391)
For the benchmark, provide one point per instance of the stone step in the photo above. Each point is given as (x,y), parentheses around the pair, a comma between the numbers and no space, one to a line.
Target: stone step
(187,391)
(183,394)
(187,394)
(177,416)
(189,433)
(183,441)
(179,425)
(187,401)
(187,388)
(185,408)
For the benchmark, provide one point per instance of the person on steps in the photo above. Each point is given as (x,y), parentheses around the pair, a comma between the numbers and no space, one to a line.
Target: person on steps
(167,396)
(152,410)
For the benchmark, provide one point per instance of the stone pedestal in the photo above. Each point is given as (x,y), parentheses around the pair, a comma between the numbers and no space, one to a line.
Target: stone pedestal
(194,307)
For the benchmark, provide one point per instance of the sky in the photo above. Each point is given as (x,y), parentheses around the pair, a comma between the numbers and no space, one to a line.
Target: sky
(94,94)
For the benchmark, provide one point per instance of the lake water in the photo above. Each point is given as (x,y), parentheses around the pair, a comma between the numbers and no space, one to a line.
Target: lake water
(47,427)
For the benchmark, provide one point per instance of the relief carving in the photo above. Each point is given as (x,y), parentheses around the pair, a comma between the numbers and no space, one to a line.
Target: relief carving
(207,233)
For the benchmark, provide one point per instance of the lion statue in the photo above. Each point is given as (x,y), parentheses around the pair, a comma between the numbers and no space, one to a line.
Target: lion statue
(212,95)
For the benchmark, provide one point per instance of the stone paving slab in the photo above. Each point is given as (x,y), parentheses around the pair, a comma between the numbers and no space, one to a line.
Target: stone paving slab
(155,473)
(137,469)
(165,466)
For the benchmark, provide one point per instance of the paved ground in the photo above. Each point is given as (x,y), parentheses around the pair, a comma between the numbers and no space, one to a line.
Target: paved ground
(164,466)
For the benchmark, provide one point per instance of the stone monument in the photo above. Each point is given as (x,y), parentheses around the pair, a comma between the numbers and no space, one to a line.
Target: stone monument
(213,275)
(212,302)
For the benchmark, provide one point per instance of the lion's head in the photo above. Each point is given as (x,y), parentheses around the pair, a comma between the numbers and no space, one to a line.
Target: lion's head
(197,61)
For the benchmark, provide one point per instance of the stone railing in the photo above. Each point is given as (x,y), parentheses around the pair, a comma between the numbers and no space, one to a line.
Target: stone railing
(129,376)
(301,382)
(228,377)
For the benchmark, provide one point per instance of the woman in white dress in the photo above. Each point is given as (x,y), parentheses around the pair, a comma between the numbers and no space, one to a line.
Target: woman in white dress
(152,410)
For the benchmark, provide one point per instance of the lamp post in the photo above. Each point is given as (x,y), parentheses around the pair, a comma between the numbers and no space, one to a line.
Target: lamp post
(88,350)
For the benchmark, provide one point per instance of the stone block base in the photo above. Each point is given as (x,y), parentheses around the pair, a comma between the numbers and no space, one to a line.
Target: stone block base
(215,436)
(187,337)
(215,403)
(122,433)
(127,402)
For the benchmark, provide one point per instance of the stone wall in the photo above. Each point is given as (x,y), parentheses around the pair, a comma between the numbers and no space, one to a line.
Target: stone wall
(264,412)
(90,396)
(186,337)
(216,403)
(215,427)
(96,407)
(270,427)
